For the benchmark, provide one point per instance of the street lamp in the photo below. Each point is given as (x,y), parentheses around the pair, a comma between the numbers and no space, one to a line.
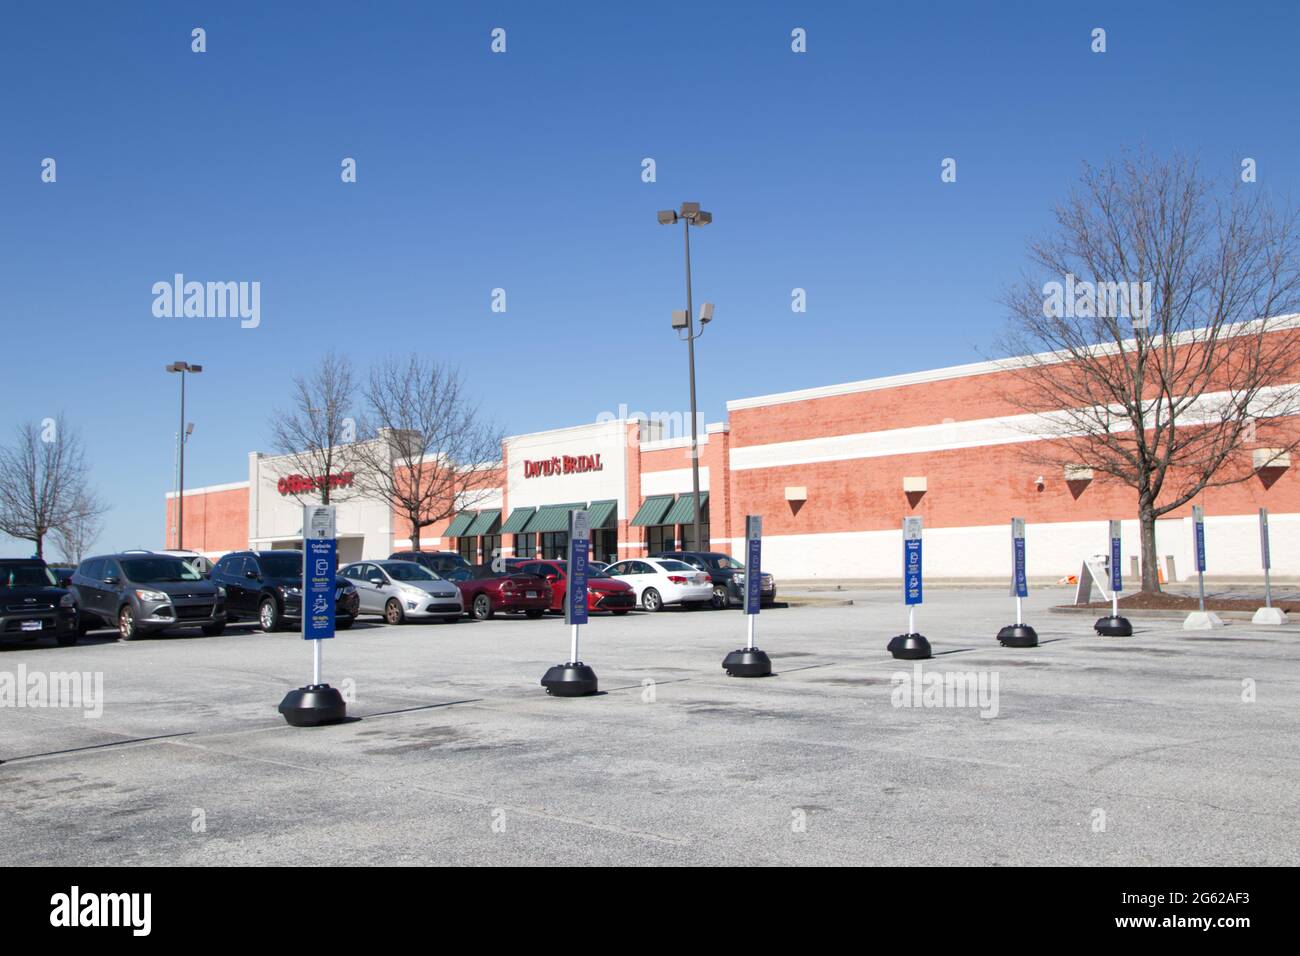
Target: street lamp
(182,368)
(683,322)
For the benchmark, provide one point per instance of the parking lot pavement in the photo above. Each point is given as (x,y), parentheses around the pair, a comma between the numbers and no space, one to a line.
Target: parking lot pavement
(1102,751)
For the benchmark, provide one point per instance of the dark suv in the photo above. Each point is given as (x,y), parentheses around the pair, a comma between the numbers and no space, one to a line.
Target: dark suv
(140,592)
(33,605)
(266,586)
(727,574)
(439,562)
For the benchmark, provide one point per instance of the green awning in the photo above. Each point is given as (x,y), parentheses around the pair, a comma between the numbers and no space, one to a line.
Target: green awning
(653,511)
(518,520)
(553,517)
(601,514)
(459,524)
(486,523)
(684,511)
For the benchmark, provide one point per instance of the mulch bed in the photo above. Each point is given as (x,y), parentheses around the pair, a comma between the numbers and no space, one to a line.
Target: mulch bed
(1182,602)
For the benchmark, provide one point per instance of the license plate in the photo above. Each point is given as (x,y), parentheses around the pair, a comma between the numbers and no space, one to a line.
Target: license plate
(531,594)
(31,625)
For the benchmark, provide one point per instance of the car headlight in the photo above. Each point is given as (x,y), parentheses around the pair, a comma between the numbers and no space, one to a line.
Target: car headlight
(67,601)
(412,592)
(295,591)
(146,595)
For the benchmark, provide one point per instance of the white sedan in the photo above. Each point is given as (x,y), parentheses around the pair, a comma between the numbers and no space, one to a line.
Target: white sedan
(660,581)
(403,589)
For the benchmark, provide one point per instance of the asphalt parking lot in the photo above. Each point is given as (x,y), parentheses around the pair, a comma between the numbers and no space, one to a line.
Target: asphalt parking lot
(1102,751)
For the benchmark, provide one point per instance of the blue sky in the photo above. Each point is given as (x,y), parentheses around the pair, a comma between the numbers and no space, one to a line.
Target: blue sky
(523,171)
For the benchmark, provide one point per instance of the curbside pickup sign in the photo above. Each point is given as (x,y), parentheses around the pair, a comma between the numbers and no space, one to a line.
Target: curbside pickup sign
(1116,569)
(1198,520)
(575,593)
(912,560)
(1019,578)
(319,560)
(753,563)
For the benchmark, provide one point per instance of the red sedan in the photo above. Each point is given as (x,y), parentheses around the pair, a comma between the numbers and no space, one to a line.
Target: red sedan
(485,591)
(604,593)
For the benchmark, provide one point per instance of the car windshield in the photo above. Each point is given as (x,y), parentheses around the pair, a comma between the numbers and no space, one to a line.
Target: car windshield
(158,570)
(669,564)
(723,562)
(26,576)
(401,571)
(288,565)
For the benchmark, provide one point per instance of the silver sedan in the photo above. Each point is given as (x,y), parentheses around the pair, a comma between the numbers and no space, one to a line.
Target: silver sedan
(403,589)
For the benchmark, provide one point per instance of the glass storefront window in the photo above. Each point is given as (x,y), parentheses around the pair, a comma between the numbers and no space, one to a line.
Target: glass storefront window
(688,537)
(491,545)
(467,548)
(525,546)
(554,544)
(604,545)
(659,538)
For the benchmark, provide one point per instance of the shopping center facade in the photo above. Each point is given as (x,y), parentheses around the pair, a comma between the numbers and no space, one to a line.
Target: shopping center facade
(832,470)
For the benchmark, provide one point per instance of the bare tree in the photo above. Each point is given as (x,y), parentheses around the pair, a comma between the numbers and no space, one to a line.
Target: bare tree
(75,536)
(316,435)
(431,451)
(1159,350)
(44,483)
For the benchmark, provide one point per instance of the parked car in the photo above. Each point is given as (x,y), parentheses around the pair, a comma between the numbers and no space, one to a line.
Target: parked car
(604,593)
(32,604)
(404,589)
(439,562)
(141,592)
(661,581)
(486,591)
(727,574)
(266,586)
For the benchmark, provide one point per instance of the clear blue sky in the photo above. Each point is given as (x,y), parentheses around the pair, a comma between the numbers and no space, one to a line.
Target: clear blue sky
(523,171)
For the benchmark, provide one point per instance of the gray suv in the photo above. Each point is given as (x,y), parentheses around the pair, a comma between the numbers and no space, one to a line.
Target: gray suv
(140,593)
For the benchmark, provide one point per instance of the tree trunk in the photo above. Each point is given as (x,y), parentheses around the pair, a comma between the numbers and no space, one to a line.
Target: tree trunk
(415,535)
(40,547)
(1150,560)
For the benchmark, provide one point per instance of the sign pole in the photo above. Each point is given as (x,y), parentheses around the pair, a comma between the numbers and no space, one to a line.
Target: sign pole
(1268,614)
(318,702)
(574,678)
(1114,625)
(1201,620)
(749,661)
(911,646)
(1019,634)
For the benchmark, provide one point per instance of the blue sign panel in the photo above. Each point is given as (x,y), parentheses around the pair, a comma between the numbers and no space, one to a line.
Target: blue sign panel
(1198,517)
(1022,580)
(753,563)
(1116,567)
(318,589)
(575,593)
(911,560)
(1264,556)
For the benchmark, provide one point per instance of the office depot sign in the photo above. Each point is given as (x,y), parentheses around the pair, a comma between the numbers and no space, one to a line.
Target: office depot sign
(302,484)
(562,465)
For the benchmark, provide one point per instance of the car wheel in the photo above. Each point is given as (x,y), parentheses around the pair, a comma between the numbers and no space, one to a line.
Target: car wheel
(67,640)
(535,614)
(721,598)
(214,630)
(482,607)
(268,615)
(651,600)
(126,623)
(393,613)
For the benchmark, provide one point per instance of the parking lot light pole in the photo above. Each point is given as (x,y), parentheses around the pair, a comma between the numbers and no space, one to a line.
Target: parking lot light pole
(182,368)
(691,215)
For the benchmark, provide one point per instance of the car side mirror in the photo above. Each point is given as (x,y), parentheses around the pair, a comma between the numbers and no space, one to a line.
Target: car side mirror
(552,578)
(111,579)
(251,575)
(377,582)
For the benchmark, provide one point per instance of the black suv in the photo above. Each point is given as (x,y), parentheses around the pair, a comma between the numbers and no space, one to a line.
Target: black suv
(139,592)
(266,586)
(439,562)
(727,574)
(33,605)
